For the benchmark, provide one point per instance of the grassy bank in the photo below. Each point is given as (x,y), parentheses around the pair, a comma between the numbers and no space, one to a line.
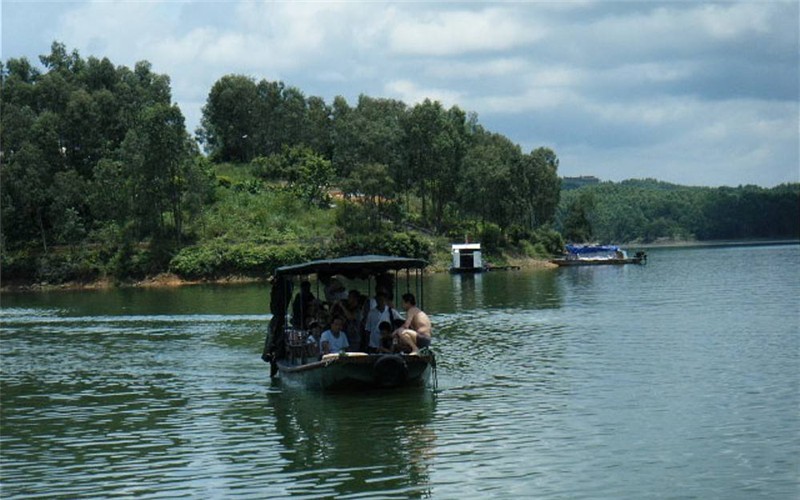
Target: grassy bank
(438,263)
(249,229)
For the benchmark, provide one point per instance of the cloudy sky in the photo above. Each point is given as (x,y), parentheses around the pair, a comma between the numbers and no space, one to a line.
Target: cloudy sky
(686,92)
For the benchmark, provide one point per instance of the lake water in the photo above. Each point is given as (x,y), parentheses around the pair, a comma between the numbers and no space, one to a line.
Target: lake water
(678,379)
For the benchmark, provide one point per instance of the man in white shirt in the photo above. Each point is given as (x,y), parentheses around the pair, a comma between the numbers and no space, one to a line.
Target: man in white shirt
(334,340)
(378,314)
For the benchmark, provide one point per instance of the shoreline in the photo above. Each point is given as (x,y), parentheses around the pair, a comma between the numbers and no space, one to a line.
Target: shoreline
(709,243)
(170,280)
(162,280)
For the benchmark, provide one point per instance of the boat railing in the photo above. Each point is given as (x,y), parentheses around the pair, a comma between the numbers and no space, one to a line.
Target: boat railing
(301,346)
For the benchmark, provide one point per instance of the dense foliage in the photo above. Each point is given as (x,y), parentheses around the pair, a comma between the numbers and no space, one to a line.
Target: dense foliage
(648,210)
(101,179)
(440,164)
(97,157)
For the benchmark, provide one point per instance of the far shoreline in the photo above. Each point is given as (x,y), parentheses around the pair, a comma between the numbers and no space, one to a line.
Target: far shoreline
(162,280)
(171,280)
(709,243)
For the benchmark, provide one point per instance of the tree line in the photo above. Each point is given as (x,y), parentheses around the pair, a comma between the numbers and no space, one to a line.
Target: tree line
(384,149)
(94,152)
(100,177)
(97,163)
(648,210)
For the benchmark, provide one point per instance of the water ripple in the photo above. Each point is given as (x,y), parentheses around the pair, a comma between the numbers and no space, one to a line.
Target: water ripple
(675,379)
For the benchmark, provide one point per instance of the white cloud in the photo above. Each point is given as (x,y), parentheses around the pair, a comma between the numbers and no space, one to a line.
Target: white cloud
(730,21)
(410,93)
(448,32)
(460,70)
(696,143)
(533,99)
(119,29)
(669,31)
(643,112)
(676,86)
(286,31)
(648,73)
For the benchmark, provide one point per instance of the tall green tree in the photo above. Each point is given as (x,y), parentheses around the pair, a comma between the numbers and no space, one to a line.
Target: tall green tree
(373,187)
(488,189)
(369,133)
(268,136)
(26,181)
(82,135)
(69,207)
(577,224)
(317,127)
(292,116)
(93,153)
(230,122)
(543,185)
(157,154)
(436,141)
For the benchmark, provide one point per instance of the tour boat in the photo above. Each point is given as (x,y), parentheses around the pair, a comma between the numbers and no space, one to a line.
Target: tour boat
(597,255)
(293,351)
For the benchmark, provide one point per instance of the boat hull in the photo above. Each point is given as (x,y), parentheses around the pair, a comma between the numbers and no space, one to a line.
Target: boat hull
(596,262)
(347,372)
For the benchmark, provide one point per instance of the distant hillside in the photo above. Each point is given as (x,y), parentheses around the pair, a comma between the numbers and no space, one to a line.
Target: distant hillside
(646,210)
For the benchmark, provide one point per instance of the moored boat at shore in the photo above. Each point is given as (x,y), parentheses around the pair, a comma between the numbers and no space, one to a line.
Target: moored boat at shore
(598,255)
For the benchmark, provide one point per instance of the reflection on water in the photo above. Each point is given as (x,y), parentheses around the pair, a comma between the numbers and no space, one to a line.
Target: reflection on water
(341,443)
(538,289)
(675,379)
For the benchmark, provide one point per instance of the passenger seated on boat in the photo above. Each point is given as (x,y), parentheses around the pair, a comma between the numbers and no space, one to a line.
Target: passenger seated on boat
(314,337)
(334,340)
(385,339)
(352,312)
(415,333)
(321,314)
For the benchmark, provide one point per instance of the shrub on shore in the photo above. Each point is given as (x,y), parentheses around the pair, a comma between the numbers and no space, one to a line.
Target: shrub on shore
(216,259)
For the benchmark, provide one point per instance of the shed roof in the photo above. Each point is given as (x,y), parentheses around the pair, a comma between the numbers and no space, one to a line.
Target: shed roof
(466,246)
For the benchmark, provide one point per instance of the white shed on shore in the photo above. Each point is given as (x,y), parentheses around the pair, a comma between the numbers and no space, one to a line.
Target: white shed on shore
(466,257)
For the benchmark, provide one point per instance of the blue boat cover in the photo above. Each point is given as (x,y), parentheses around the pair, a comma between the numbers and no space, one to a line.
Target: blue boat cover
(589,249)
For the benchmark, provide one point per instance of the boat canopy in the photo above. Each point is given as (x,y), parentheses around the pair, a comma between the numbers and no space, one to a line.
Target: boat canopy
(591,249)
(352,267)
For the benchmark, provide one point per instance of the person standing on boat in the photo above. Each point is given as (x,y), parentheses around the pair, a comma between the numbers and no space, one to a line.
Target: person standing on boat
(334,340)
(304,306)
(334,289)
(382,312)
(416,332)
(351,310)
